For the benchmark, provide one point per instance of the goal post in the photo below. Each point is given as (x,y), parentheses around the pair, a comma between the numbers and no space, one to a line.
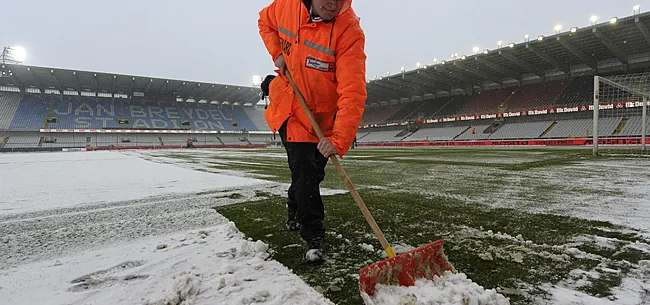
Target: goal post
(620,121)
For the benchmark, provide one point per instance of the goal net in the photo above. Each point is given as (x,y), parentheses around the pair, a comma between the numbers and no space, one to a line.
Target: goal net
(620,123)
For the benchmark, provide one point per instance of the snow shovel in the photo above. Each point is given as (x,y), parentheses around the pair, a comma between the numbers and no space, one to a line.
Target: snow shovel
(424,262)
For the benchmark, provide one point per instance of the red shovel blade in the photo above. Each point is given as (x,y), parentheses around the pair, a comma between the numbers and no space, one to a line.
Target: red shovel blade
(404,269)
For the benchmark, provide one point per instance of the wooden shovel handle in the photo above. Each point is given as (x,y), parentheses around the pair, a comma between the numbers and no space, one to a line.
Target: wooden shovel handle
(344,175)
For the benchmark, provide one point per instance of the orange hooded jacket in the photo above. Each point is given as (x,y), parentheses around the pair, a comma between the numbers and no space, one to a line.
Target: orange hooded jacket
(328,63)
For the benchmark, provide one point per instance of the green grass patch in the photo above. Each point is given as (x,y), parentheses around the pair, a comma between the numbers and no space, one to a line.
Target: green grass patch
(452,194)
(418,220)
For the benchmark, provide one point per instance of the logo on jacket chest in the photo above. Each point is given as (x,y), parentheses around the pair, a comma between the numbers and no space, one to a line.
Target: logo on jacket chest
(320,65)
(286,46)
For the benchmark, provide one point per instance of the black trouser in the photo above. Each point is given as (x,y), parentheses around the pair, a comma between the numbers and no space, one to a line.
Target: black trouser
(307,167)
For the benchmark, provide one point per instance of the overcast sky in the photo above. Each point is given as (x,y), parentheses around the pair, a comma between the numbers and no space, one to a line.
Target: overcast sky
(218,40)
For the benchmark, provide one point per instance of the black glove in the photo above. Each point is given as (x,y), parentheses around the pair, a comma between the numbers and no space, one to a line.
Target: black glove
(266,83)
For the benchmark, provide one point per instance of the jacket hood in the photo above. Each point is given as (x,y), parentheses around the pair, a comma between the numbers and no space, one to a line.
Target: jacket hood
(346,6)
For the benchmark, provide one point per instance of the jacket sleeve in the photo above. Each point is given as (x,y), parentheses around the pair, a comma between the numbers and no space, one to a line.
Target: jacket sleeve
(351,87)
(268,27)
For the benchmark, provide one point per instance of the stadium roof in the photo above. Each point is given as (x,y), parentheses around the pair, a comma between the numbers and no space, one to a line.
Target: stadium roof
(615,46)
(42,78)
(604,48)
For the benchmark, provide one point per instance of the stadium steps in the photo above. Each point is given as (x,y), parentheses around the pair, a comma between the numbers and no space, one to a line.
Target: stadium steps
(161,141)
(363,136)
(221,141)
(494,127)
(178,107)
(403,132)
(443,107)
(503,107)
(548,129)
(415,111)
(49,115)
(407,135)
(40,141)
(121,111)
(621,125)
(464,131)
(4,141)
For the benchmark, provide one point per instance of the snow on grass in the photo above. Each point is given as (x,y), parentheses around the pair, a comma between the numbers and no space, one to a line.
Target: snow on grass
(43,181)
(103,231)
(214,265)
(449,289)
(633,290)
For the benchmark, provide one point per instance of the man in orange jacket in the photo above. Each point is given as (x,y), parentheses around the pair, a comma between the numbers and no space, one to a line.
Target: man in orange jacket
(321,44)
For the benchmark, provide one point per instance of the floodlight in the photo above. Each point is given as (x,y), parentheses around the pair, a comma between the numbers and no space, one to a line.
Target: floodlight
(257,80)
(511,45)
(425,66)
(18,53)
(613,20)
(558,28)
(443,62)
(527,38)
(402,69)
(574,29)
(435,61)
(594,19)
(463,57)
(418,65)
(637,9)
(499,43)
(486,51)
(475,49)
(540,38)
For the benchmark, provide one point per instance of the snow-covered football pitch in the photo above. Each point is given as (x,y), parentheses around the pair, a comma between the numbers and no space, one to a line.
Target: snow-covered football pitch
(539,226)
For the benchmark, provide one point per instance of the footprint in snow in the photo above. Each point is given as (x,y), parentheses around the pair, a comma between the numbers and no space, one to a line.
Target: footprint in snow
(106,278)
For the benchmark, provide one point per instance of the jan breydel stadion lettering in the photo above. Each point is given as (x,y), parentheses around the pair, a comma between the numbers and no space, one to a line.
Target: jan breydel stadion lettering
(98,114)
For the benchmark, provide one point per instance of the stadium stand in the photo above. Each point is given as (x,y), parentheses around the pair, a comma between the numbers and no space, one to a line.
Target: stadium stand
(256,115)
(9,102)
(403,113)
(381,136)
(521,130)
(437,133)
(633,126)
(579,92)
(583,128)
(380,114)
(97,113)
(29,114)
(23,140)
(476,132)
(486,102)
(535,96)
